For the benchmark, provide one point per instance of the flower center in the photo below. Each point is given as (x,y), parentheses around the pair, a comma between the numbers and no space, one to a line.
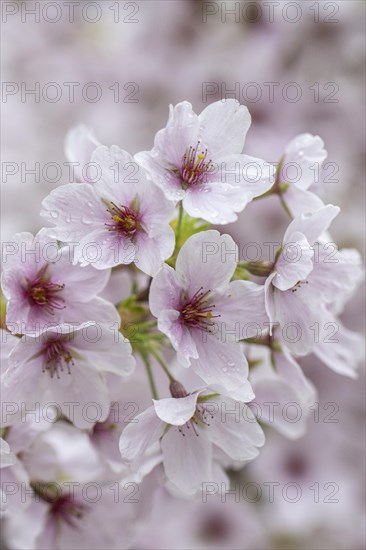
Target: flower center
(44,293)
(56,358)
(198,312)
(67,510)
(195,166)
(62,507)
(124,220)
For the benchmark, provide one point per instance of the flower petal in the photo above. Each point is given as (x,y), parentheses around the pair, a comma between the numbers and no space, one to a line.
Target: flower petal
(176,411)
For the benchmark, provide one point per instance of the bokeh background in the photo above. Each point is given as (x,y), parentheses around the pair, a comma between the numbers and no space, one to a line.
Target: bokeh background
(160,52)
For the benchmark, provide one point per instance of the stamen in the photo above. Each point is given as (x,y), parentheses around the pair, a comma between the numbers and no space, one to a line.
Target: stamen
(125,220)
(194,167)
(56,357)
(198,312)
(43,293)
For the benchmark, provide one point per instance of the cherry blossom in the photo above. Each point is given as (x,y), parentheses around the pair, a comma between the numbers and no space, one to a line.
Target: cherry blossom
(299,298)
(189,427)
(66,366)
(43,288)
(205,315)
(122,217)
(198,159)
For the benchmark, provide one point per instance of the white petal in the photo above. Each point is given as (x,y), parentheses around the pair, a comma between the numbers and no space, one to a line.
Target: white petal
(207,260)
(187,458)
(139,435)
(176,411)
(313,225)
(304,151)
(223,367)
(235,430)
(294,263)
(224,125)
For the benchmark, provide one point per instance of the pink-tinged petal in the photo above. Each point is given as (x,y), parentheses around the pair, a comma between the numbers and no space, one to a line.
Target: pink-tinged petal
(105,349)
(97,310)
(294,263)
(300,201)
(223,367)
(313,225)
(121,177)
(180,337)
(176,411)
(80,142)
(187,458)
(166,179)
(335,276)
(242,310)
(150,252)
(224,125)
(254,176)
(214,202)
(235,430)
(296,317)
(18,307)
(155,210)
(341,349)
(181,132)
(17,249)
(207,260)
(75,211)
(304,151)
(81,283)
(139,435)
(104,249)
(165,291)
(87,389)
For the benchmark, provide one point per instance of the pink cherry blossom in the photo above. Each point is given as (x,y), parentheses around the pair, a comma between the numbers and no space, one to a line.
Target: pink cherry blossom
(122,216)
(300,168)
(198,159)
(324,276)
(190,428)
(43,288)
(205,315)
(67,365)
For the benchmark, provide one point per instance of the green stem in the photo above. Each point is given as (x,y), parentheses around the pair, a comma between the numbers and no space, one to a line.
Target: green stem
(150,376)
(269,193)
(162,364)
(284,205)
(179,223)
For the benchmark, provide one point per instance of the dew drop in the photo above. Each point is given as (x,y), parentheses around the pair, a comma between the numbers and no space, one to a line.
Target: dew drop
(54,214)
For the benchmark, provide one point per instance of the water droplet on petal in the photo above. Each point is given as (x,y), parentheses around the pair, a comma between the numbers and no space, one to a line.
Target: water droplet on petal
(54,214)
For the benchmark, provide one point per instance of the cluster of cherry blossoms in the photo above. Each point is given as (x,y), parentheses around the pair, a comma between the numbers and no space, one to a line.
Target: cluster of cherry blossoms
(139,348)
